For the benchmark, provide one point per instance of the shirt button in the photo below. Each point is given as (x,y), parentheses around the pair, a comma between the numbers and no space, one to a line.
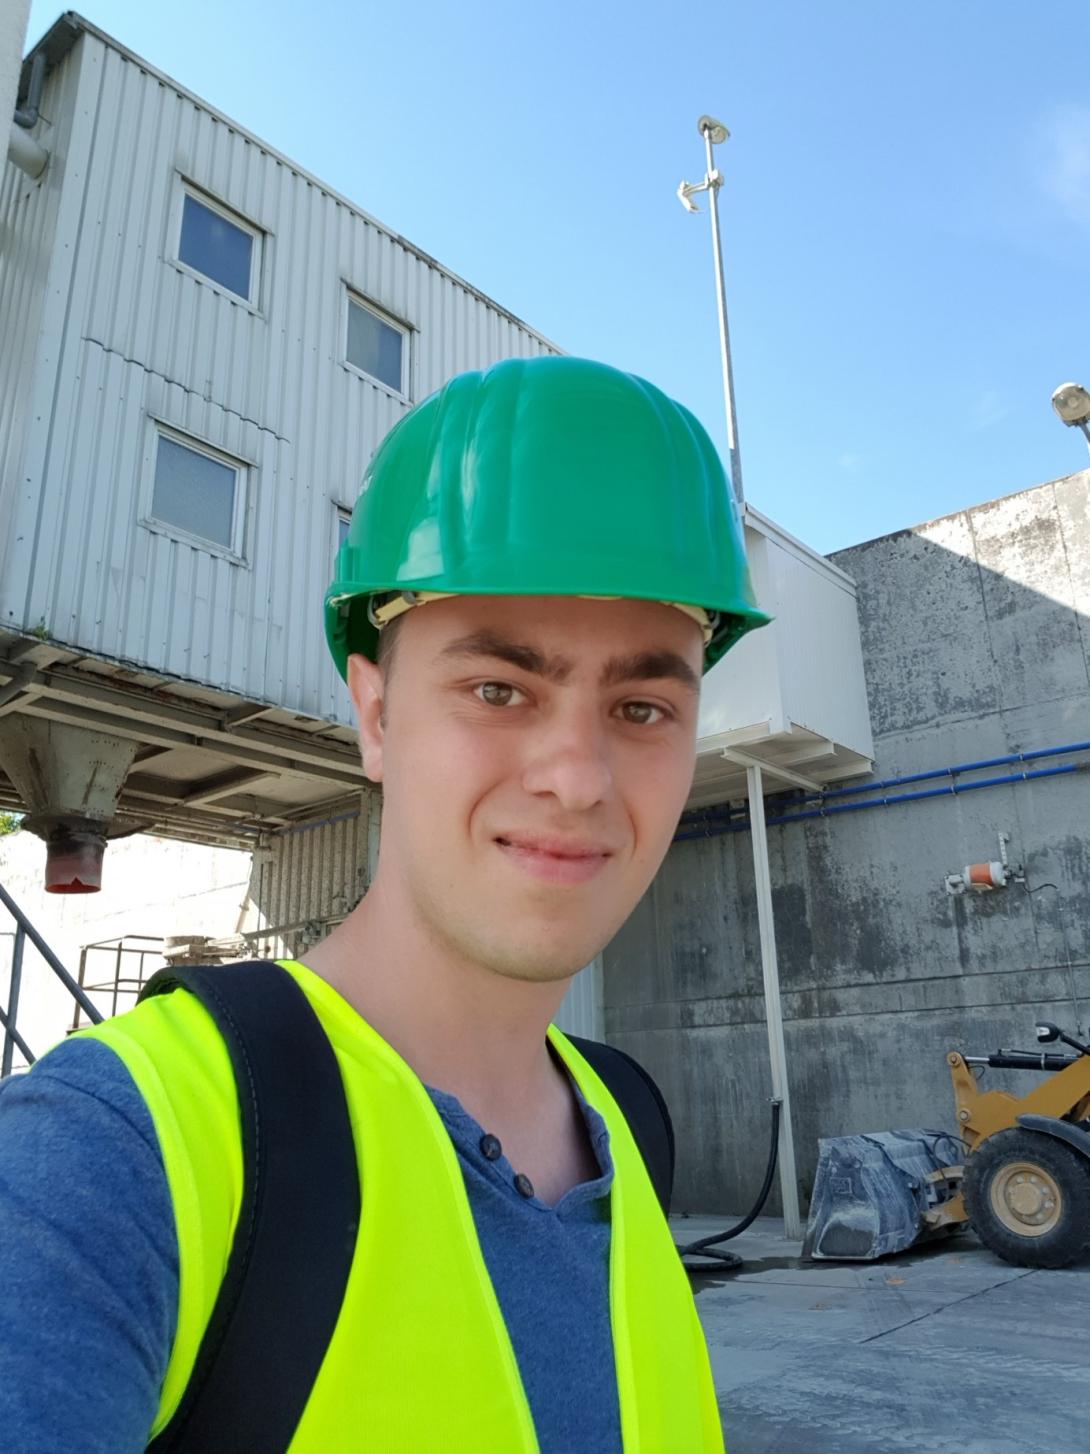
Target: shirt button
(523,1185)
(491,1149)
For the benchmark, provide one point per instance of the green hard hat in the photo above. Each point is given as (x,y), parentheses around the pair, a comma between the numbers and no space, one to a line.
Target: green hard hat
(544,477)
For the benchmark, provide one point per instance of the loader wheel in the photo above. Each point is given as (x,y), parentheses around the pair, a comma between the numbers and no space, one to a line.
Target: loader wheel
(1028,1197)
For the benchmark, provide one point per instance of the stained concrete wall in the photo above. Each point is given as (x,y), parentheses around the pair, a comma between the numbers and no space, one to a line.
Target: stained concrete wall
(976,640)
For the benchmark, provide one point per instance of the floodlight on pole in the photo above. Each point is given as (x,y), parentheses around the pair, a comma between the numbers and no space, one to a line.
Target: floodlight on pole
(1072,403)
(714,134)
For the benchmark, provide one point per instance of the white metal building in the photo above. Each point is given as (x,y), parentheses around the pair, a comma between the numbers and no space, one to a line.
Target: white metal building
(202,347)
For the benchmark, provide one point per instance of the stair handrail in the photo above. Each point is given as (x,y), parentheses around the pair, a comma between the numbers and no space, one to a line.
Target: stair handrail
(11,1035)
(25,930)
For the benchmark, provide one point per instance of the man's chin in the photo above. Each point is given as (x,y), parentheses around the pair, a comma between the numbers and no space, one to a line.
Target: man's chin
(546,963)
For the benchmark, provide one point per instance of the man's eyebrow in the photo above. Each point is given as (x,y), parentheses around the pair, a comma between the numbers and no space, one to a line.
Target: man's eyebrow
(526,658)
(643,666)
(637,666)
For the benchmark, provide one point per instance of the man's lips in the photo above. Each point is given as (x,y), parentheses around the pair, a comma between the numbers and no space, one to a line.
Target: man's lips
(558,860)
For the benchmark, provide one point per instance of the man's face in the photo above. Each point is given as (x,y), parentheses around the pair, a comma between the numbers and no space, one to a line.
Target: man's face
(536,755)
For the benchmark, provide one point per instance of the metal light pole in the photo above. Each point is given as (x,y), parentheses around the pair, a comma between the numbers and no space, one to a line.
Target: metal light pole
(715,133)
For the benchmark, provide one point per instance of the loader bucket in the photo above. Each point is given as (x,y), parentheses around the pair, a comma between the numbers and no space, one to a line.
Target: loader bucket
(870,1193)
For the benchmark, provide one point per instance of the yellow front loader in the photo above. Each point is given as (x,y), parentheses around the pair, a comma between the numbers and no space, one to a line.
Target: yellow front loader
(1017,1169)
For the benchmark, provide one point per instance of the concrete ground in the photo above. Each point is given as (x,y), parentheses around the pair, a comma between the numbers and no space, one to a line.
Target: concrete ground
(944,1348)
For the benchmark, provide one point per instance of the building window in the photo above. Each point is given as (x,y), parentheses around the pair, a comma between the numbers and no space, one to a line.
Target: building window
(198,491)
(376,346)
(344,521)
(219,246)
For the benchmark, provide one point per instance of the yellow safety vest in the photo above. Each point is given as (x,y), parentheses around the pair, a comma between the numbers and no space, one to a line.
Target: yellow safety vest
(420,1359)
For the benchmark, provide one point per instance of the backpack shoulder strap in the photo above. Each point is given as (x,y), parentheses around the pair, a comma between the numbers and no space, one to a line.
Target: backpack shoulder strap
(644,1109)
(277,1307)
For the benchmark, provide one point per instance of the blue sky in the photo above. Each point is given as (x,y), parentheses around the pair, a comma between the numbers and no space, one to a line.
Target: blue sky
(906,209)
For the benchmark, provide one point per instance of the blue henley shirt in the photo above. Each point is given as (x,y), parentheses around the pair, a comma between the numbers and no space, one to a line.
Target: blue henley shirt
(89,1267)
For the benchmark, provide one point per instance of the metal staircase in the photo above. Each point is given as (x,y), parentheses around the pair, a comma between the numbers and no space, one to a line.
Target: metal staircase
(23,931)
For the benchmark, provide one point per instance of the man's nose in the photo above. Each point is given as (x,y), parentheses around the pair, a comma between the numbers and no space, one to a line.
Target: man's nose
(569,759)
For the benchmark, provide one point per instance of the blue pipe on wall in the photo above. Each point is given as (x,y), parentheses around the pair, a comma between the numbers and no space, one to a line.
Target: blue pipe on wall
(920,777)
(713,829)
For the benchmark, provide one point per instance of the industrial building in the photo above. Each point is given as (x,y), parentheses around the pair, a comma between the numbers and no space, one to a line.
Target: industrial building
(203,347)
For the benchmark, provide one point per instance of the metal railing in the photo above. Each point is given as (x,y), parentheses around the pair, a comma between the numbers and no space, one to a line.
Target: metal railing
(25,930)
(122,950)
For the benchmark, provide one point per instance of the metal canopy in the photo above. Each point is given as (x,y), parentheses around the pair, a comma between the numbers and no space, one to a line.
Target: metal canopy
(796,757)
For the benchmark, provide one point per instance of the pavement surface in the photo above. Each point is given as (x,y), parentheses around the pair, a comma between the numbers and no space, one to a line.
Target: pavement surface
(942,1348)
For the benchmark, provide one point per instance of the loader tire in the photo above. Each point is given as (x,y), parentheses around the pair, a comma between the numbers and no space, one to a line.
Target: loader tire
(1028,1198)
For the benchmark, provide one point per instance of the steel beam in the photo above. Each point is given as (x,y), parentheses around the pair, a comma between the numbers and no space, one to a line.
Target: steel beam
(22,678)
(23,646)
(19,701)
(203,724)
(147,755)
(147,803)
(223,785)
(191,823)
(233,749)
(248,712)
(812,752)
(735,737)
(748,761)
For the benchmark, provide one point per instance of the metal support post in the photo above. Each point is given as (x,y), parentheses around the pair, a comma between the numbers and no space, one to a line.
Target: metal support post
(789,1190)
(13,1001)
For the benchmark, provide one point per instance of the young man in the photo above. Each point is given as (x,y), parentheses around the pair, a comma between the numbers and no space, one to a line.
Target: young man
(543,561)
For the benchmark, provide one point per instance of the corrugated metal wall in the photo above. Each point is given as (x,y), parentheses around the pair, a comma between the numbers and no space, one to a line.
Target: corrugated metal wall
(32,269)
(581,1011)
(307,878)
(144,339)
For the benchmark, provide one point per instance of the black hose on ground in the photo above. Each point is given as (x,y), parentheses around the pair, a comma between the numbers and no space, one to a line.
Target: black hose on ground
(706,1246)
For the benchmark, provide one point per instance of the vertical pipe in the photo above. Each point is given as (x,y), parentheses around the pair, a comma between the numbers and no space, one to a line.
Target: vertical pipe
(789,1190)
(372,806)
(81,981)
(714,183)
(13,1000)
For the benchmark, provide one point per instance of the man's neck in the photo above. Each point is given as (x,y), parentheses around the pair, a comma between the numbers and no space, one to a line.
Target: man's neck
(463,1029)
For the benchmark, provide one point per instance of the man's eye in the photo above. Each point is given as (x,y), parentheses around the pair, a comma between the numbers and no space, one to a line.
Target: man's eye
(498,694)
(643,714)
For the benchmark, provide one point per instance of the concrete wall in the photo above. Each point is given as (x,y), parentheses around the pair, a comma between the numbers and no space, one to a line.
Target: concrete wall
(976,641)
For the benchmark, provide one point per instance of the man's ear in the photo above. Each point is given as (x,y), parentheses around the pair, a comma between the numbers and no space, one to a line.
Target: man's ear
(366,685)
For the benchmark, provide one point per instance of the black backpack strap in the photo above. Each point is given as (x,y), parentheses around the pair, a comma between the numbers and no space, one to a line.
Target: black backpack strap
(278,1304)
(644,1109)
